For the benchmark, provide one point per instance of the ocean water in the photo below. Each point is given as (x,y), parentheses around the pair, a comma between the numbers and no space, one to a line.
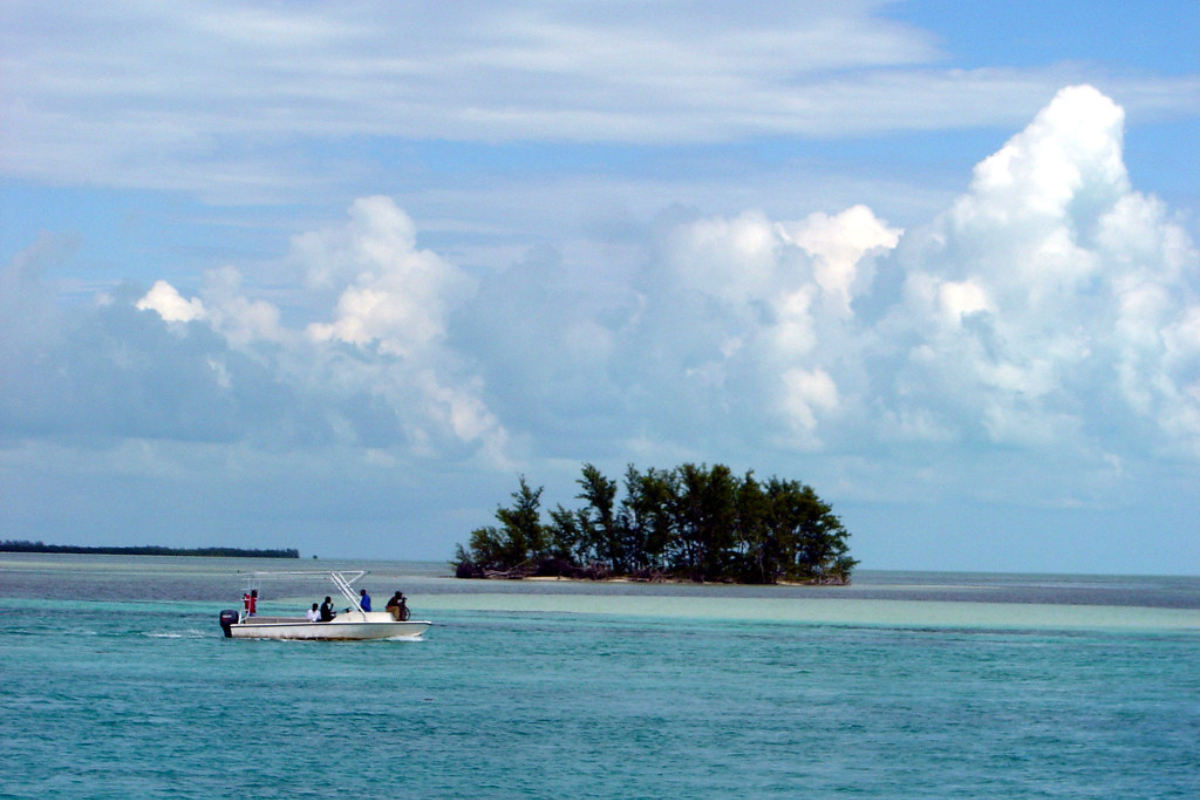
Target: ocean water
(116,682)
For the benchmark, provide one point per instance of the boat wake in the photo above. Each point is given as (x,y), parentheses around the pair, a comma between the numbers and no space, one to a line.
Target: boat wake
(188,634)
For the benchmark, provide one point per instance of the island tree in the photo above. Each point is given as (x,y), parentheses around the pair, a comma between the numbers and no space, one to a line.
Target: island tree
(692,522)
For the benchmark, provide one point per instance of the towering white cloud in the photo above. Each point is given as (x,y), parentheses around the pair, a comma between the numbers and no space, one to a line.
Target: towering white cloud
(1051,308)
(1050,291)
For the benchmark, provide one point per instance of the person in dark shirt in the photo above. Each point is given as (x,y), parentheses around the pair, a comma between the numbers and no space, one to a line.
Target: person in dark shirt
(398,606)
(327,612)
(364,601)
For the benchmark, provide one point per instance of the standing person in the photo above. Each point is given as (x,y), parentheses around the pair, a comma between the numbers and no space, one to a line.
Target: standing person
(312,614)
(250,601)
(327,613)
(364,601)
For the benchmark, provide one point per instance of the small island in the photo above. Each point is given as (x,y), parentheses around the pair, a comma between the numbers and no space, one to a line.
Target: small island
(146,550)
(690,523)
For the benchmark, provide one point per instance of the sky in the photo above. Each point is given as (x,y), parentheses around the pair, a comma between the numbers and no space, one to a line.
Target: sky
(332,276)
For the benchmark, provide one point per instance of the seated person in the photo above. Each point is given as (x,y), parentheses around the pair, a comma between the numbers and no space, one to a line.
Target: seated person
(327,612)
(312,614)
(398,605)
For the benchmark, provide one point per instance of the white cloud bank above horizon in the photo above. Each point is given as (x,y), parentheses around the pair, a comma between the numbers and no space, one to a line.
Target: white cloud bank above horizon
(1033,344)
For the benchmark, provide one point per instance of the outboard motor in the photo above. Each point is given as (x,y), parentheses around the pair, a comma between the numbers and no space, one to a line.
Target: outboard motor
(228,617)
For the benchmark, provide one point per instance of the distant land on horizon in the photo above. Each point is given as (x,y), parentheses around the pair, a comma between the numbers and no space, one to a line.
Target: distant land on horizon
(146,550)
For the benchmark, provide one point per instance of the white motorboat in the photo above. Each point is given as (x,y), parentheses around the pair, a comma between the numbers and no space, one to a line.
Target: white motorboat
(352,623)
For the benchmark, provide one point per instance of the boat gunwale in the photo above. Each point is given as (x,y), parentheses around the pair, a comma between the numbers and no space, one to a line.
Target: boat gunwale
(252,623)
(409,630)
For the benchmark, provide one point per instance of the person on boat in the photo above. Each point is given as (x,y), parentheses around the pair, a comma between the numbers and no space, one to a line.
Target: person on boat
(398,606)
(250,601)
(364,601)
(327,612)
(312,614)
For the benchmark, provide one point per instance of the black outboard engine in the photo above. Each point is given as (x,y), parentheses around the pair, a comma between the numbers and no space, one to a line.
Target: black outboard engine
(228,617)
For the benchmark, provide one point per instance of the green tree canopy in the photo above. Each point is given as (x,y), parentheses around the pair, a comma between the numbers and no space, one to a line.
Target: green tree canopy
(691,522)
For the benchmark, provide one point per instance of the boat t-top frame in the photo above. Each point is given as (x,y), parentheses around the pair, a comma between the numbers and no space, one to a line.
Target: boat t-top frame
(342,579)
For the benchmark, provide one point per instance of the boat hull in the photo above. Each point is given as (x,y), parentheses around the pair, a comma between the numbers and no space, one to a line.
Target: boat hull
(352,626)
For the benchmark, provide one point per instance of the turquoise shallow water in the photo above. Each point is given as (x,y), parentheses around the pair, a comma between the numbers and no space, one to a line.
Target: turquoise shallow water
(116,683)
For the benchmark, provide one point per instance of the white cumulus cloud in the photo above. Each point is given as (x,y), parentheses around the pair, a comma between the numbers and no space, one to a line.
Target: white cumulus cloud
(391,293)
(1043,295)
(170,305)
(379,367)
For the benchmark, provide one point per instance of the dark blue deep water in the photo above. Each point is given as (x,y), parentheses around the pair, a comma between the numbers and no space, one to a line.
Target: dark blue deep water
(115,682)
